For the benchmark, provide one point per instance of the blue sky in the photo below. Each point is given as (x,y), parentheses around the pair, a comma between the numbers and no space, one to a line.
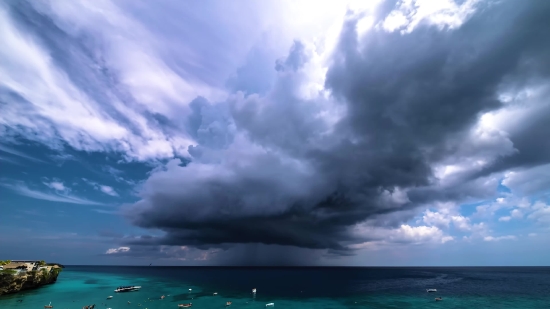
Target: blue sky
(275,132)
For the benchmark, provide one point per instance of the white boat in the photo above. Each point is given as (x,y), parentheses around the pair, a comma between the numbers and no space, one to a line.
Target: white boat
(270,305)
(109,297)
(215,293)
(253,290)
(127,288)
(431,290)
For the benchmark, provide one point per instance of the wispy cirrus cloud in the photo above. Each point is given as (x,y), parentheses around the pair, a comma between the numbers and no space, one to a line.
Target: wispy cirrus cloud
(9,160)
(18,154)
(24,190)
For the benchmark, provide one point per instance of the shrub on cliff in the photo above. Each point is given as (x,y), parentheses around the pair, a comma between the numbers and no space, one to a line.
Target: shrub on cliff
(8,271)
(56,270)
(44,274)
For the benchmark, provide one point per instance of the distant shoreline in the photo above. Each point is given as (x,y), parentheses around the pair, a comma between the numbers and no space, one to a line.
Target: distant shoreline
(312,267)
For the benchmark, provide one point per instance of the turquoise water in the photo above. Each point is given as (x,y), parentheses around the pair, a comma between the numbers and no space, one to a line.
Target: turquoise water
(291,288)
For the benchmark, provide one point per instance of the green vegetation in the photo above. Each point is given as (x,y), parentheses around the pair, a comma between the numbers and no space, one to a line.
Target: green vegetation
(42,263)
(55,264)
(44,274)
(8,271)
(6,262)
(56,270)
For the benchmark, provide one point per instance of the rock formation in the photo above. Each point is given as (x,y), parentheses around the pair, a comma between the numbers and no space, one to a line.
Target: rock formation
(18,276)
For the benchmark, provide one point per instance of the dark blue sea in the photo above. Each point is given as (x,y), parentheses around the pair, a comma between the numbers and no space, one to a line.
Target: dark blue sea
(459,287)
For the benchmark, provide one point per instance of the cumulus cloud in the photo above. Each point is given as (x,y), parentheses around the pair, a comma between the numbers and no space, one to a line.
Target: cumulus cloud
(290,176)
(541,212)
(404,234)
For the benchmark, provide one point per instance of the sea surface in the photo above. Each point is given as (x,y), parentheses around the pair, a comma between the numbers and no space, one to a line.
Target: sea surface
(463,287)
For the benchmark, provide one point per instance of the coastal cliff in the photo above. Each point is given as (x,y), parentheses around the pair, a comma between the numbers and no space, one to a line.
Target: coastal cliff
(20,276)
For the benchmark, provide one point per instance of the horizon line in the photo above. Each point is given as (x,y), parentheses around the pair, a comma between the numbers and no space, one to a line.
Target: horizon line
(303,266)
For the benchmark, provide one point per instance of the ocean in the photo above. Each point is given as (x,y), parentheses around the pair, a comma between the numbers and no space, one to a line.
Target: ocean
(292,287)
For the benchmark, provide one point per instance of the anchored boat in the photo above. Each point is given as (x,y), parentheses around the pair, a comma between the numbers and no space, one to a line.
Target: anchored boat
(127,288)
(185,305)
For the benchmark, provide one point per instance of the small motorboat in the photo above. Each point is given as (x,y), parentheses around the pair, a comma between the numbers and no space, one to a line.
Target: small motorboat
(228,303)
(215,293)
(438,298)
(270,305)
(162,297)
(109,297)
(254,290)
(185,305)
(431,290)
(48,306)
(121,289)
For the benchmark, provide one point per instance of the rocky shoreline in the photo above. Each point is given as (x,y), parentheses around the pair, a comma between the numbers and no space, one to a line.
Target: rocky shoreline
(21,276)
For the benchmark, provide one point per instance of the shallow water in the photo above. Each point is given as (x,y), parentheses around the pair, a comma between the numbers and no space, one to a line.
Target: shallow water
(499,287)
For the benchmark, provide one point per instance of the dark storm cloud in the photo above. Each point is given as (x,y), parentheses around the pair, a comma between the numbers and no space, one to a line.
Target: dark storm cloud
(531,139)
(410,101)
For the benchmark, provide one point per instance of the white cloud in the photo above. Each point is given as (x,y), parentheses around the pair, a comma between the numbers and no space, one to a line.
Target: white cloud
(103,188)
(22,189)
(56,185)
(15,152)
(416,234)
(528,181)
(55,108)
(541,212)
(440,13)
(436,218)
(117,250)
(461,223)
(507,237)
(446,215)
(532,234)
(12,161)
(404,234)
(489,209)
(516,213)
(504,219)
(108,190)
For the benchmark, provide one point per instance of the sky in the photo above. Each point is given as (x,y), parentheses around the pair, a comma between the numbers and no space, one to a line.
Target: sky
(281,132)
